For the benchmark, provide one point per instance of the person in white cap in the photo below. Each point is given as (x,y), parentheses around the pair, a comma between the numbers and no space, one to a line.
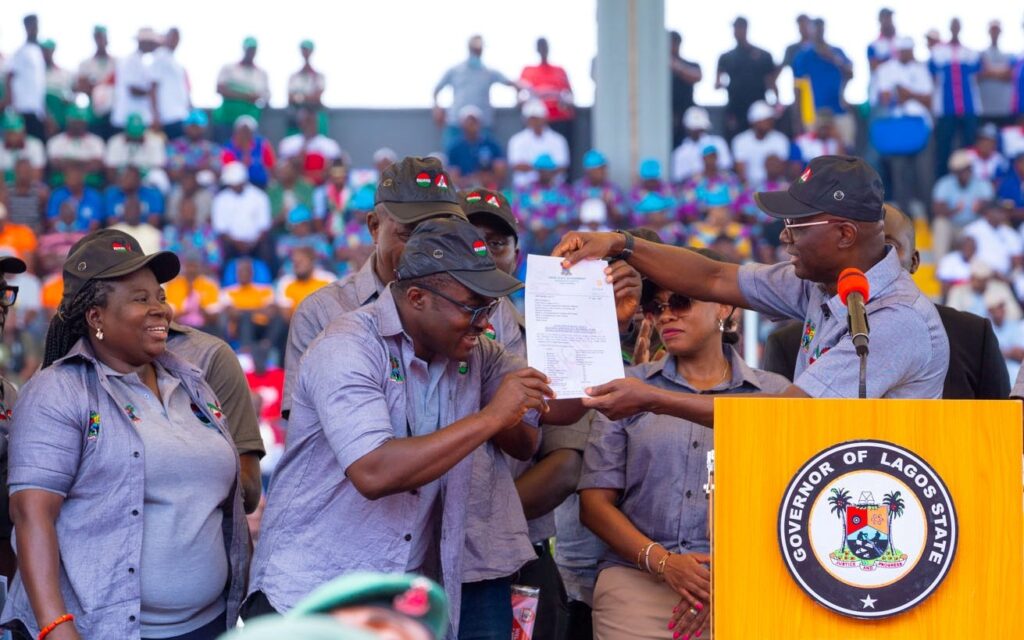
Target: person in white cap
(251,149)
(135,83)
(593,215)
(241,215)
(534,141)
(752,147)
(957,199)
(477,159)
(688,158)
(995,81)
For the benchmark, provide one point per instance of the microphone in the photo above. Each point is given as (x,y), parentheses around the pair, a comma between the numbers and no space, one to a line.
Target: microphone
(854,292)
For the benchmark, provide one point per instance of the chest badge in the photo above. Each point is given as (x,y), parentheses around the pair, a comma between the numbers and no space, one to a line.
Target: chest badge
(396,370)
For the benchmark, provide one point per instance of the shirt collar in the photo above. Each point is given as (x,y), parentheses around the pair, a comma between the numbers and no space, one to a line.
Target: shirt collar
(82,350)
(880,278)
(388,321)
(741,373)
(368,285)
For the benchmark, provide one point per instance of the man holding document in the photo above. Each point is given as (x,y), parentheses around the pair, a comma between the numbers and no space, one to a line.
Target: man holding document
(833,216)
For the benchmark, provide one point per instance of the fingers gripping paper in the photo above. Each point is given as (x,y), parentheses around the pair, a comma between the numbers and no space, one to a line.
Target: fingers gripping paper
(572,335)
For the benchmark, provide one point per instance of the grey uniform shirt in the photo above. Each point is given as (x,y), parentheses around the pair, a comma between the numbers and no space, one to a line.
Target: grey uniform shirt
(189,472)
(497,544)
(1018,386)
(224,374)
(342,413)
(909,351)
(471,85)
(72,436)
(659,462)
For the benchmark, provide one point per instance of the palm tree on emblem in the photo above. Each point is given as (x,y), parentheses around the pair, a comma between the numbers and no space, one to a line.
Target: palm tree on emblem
(895,505)
(840,500)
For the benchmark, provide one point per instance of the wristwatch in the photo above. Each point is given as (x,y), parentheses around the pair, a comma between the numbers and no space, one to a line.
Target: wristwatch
(627,251)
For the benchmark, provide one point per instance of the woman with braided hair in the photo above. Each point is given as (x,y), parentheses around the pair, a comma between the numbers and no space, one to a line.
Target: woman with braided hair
(125,488)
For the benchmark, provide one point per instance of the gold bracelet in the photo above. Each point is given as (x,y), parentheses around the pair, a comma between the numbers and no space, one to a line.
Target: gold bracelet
(661,564)
(640,555)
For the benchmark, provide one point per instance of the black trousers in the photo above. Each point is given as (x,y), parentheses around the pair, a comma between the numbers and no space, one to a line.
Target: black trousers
(552,609)
(210,631)
(257,605)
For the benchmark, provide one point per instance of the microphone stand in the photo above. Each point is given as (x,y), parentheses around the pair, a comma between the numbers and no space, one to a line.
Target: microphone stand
(860,343)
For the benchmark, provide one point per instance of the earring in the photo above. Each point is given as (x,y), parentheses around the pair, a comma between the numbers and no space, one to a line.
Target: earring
(99,334)
(721,326)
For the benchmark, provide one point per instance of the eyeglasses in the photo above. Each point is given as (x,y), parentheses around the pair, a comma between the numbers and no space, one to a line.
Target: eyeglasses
(677,302)
(8,296)
(476,313)
(791,225)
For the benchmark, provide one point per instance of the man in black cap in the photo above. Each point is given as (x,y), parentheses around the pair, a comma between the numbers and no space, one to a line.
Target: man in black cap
(833,220)
(390,402)
(409,192)
(976,368)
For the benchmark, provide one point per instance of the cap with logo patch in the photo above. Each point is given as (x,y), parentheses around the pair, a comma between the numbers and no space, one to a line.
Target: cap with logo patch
(484,204)
(415,189)
(842,186)
(414,597)
(108,254)
(455,247)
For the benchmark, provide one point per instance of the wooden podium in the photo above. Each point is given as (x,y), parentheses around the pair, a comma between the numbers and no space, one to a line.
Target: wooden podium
(761,445)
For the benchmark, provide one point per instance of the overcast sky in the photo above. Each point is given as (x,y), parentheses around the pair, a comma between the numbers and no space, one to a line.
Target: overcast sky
(390,54)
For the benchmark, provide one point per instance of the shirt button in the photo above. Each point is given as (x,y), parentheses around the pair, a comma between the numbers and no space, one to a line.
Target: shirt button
(131,618)
(131,569)
(408,537)
(135,512)
(689,494)
(695,444)
(135,454)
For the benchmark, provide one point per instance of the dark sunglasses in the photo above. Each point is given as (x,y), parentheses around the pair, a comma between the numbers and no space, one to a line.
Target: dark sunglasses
(8,296)
(677,302)
(476,313)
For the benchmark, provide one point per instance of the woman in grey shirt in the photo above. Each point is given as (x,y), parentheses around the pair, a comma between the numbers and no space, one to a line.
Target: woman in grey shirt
(124,483)
(643,471)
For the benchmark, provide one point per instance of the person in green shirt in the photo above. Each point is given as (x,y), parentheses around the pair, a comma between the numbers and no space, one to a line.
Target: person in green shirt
(244,88)
(286,191)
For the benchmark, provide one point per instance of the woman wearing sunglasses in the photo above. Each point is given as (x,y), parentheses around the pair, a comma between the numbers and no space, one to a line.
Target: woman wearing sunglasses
(643,472)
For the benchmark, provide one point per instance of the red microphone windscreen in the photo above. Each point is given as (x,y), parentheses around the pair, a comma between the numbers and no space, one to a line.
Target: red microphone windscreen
(853,280)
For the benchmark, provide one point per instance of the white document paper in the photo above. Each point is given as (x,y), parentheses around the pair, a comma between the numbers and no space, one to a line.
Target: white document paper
(572,335)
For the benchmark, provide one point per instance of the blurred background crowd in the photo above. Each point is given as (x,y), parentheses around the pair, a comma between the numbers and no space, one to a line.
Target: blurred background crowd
(261,218)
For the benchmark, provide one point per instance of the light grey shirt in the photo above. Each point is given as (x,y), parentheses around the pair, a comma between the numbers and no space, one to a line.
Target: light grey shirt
(497,544)
(909,350)
(190,471)
(1018,386)
(659,462)
(471,85)
(996,95)
(342,413)
(71,436)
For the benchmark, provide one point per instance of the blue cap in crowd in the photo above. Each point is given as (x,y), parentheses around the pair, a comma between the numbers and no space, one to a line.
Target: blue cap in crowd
(650,169)
(594,159)
(708,150)
(300,213)
(197,117)
(545,162)
(653,202)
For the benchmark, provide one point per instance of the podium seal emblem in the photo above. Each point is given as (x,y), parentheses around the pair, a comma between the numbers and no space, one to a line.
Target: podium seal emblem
(867,529)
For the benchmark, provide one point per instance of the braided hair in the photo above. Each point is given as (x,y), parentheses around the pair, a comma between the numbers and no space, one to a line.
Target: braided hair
(69,324)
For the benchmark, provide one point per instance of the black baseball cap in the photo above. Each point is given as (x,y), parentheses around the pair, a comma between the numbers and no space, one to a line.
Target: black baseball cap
(455,247)
(843,186)
(106,254)
(416,189)
(484,204)
(12,264)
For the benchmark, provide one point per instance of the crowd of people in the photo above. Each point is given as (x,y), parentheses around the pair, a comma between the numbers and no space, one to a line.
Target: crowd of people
(113,168)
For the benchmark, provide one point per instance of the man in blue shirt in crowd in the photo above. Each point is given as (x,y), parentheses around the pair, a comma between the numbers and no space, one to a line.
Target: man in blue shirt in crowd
(477,156)
(829,69)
